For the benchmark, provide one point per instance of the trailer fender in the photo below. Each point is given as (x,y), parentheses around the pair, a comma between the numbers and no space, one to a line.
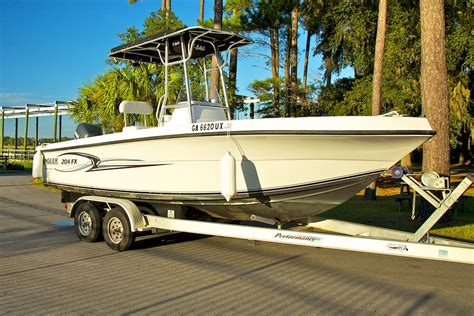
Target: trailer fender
(137,221)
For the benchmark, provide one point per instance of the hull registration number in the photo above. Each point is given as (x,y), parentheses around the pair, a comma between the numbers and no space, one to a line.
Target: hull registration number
(209,127)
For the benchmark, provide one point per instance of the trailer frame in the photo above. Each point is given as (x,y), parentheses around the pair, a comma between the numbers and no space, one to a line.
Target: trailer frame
(129,220)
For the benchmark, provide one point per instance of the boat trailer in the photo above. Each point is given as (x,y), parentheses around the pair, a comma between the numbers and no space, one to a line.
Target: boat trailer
(124,219)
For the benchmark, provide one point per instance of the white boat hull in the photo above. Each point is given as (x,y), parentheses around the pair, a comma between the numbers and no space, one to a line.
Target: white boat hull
(285,168)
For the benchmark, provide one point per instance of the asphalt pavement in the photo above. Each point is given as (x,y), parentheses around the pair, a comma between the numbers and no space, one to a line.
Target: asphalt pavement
(45,269)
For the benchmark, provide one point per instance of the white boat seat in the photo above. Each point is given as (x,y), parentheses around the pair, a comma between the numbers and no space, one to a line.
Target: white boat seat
(135,107)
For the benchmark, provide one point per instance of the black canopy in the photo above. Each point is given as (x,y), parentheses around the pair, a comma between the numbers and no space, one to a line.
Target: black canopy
(146,49)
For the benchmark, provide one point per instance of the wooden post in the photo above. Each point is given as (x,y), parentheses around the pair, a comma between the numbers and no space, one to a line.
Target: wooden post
(25,141)
(16,134)
(2,132)
(55,122)
(36,130)
(60,126)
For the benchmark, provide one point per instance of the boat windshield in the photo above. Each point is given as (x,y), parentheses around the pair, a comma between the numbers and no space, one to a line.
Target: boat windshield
(200,78)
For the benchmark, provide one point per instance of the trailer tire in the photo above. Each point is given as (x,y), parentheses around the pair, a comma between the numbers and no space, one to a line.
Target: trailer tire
(117,230)
(88,223)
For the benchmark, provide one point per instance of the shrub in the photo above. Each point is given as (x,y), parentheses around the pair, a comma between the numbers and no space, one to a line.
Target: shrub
(15,166)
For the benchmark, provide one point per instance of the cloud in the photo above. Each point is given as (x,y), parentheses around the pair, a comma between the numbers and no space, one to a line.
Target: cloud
(22,98)
(14,98)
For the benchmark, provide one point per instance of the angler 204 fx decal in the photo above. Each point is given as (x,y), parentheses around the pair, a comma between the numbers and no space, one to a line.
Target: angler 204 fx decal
(75,161)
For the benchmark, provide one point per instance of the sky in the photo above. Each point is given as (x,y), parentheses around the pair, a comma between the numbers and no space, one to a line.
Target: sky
(50,48)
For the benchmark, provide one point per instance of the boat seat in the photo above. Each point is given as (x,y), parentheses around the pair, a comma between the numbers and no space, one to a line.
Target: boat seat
(134,107)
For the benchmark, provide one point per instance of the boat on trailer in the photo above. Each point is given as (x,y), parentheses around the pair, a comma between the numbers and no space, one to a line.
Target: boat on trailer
(287,169)
(198,167)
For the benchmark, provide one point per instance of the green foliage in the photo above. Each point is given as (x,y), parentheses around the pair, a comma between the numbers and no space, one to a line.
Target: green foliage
(263,90)
(15,166)
(158,22)
(357,100)
(460,65)
(401,90)
(346,38)
(260,15)
(99,100)
(346,34)
(330,96)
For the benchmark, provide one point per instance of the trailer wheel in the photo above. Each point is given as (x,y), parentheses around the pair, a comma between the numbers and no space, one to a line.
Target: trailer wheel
(88,223)
(117,230)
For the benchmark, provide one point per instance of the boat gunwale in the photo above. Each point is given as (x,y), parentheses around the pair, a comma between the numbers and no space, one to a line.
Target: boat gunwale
(140,138)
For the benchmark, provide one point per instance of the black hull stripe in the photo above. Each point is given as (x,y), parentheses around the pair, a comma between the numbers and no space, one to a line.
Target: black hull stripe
(212,196)
(258,133)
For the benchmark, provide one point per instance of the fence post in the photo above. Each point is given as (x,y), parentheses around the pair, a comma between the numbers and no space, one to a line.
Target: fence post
(16,133)
(55,121)
(25,143)
(2,128)
(36,131)
(60,126)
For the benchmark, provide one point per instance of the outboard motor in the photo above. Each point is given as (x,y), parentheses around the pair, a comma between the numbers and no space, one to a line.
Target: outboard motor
(85,130)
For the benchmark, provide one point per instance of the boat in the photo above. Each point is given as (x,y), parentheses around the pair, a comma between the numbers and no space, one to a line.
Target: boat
(198,158)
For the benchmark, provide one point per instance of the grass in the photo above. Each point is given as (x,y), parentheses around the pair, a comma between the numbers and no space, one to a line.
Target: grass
(384,213)
(17,166)
(463,233)
(39,184)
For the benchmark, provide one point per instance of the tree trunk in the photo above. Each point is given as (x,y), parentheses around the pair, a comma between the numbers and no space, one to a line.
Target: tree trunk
(201,10)
(378,61)
(434,87)
(305,71)
(166,6)
(406,162)
(215,73)
(370,191)
(232,85)
(328,70)
(287,70)
(275,70)
(294,61)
